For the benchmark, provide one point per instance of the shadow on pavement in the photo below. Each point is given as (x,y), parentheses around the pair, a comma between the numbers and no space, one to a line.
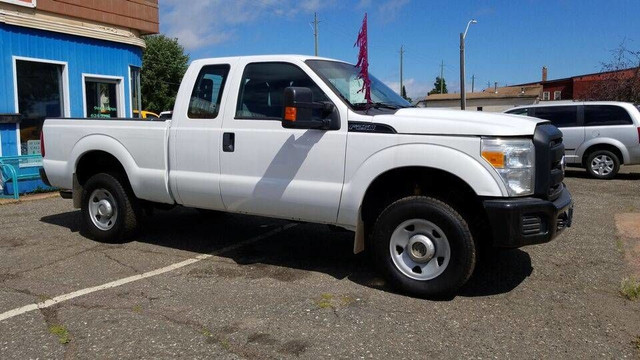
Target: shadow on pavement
(306,247)
(579,173)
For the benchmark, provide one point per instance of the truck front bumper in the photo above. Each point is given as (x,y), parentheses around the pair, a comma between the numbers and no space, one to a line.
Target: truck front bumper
(526,221)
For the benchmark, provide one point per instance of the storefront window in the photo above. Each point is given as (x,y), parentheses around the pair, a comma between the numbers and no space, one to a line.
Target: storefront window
(101,96)
(39,97)
(136,100)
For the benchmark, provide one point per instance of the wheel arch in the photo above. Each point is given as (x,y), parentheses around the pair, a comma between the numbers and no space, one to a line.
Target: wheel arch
(439,174)
(101,153)
(612,145)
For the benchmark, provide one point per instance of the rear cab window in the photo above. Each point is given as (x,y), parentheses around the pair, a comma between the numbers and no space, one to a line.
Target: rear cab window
(606,115)
(560,116)
(207,92)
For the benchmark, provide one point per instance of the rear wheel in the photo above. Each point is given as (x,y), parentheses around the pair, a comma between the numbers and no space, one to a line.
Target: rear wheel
(110,212)
(424,247)
(603,164)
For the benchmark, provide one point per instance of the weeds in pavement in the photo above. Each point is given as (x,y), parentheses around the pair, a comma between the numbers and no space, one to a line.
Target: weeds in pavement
(630,288)
(61,332)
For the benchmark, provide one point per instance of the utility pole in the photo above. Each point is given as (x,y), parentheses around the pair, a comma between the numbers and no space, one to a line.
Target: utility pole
(473,82)
(463,91)
(488,84)
(315,31)
(401,61)
(442,77)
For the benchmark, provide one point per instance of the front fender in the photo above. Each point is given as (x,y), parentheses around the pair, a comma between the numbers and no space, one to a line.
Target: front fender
(482,180)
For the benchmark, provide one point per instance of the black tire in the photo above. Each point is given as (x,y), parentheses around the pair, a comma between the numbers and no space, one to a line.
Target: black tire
(128,210)
(462,257)
(602,154)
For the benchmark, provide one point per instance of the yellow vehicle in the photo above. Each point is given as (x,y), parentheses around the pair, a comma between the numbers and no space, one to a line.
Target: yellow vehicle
(145,114)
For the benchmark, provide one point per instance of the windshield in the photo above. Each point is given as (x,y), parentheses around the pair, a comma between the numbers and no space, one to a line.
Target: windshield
(343,78)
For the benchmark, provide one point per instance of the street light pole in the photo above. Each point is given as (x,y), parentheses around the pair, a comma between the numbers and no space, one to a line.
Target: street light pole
(463,94)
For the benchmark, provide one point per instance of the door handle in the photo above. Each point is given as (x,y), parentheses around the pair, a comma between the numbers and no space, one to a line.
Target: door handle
(228,142)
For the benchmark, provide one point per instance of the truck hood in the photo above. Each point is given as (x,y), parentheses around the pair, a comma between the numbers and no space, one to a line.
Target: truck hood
(456,122)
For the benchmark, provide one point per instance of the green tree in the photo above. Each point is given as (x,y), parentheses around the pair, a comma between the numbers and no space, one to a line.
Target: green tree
(436,86)
(404,94)
(164,62)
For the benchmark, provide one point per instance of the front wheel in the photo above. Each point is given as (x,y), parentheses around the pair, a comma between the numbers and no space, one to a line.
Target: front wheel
(109,210)
(603,164)
(424,247)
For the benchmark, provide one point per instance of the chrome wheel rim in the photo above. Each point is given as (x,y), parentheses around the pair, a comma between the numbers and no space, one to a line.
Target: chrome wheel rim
(103,209)
(602,165)
(419,249)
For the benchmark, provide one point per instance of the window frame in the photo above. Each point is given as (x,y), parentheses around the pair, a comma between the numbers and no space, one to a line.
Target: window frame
(138,85)
(546,95)
(220,94)
(66,105)
(120,98)
(559,95)
(241,88)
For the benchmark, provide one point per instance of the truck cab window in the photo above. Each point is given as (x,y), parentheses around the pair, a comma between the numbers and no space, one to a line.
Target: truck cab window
(262,88)
(207,92)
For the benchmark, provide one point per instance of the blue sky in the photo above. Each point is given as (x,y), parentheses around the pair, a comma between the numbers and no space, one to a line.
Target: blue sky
(511,42)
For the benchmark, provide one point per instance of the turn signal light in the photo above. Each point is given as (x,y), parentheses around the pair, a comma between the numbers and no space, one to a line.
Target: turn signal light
(495,158)
(290,113)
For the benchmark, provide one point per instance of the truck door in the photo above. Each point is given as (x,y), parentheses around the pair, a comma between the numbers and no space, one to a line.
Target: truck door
(196,135)
(270,170)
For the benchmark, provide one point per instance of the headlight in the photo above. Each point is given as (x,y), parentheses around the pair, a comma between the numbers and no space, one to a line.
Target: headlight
(514,160)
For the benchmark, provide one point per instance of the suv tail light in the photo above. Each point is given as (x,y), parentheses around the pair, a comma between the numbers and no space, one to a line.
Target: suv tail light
(42,142)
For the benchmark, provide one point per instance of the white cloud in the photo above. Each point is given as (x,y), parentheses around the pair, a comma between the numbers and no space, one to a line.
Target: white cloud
(363,4)
(199,23)
(391,9)
(415,89)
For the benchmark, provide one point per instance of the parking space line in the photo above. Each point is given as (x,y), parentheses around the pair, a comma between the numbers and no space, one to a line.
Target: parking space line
(58,299)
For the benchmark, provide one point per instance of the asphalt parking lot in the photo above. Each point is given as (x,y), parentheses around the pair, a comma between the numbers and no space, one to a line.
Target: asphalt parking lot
(248,287)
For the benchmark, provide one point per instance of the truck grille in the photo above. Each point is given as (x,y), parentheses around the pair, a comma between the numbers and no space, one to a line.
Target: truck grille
(549,167)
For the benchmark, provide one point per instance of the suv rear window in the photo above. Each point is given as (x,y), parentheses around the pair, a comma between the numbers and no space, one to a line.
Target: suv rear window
(560,116)
(602,115)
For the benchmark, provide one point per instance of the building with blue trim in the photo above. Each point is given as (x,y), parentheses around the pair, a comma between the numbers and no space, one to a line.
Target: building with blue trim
(58,59)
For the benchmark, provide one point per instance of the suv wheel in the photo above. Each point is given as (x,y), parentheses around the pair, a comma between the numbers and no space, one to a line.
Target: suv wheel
(602,164)
(424,247)
(110,211)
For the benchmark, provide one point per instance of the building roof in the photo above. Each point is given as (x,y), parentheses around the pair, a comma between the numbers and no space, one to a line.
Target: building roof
(491,93)
(580,76)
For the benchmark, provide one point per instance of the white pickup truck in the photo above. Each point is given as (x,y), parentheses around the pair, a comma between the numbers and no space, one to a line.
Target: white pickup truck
(291,137)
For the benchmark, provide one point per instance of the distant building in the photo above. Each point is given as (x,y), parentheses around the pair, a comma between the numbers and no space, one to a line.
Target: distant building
(495,99)
(498,99)
(579,87)
(68,59)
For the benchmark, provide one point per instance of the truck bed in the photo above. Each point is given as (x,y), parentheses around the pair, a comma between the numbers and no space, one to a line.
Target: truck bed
(140,145)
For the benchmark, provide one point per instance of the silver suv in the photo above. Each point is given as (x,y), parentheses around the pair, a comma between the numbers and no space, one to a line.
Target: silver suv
(598,135)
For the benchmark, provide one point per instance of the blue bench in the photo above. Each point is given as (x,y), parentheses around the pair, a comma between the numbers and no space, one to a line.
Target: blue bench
(12,172)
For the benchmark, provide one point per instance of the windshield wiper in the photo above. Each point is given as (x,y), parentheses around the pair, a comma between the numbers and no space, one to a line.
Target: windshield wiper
(377,105)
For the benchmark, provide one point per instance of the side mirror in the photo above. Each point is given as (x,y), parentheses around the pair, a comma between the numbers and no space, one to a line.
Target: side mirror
(298,107)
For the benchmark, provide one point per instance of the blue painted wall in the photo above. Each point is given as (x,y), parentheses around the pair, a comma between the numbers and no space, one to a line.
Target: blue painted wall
(82,55)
